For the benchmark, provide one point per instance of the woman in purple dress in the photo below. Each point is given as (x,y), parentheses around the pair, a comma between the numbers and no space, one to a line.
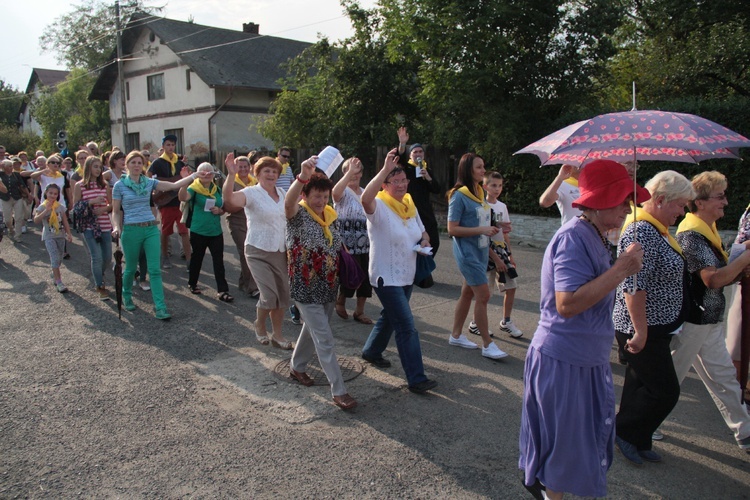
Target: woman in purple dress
(567,423)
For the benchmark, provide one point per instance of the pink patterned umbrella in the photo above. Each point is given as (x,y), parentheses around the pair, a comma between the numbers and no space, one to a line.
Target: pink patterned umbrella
(647,135)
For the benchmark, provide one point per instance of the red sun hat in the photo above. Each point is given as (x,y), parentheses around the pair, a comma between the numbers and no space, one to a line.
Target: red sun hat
(606,184)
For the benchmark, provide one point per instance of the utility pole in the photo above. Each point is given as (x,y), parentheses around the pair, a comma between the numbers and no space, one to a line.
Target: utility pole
(121,78)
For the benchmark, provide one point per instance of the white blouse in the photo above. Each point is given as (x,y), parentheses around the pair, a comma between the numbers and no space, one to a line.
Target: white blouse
(392,240)
(266,219)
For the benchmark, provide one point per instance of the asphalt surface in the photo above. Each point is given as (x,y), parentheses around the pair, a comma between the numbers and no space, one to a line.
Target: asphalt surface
(94,406)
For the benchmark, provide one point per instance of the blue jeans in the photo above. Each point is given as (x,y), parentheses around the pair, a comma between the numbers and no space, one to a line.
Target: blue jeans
(396,316)
(100,253)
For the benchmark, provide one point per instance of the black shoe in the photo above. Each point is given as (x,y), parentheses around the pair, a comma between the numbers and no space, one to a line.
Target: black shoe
(423,386)
(535,489)
(294,313)
(380,362)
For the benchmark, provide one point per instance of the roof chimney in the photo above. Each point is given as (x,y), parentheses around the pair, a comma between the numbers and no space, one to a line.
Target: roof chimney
(250,28)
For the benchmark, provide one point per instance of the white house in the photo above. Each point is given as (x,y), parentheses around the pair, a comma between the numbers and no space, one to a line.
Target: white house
(39,79)
(205,85)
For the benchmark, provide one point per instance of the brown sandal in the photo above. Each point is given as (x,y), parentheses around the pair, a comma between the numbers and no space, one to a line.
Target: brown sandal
(341,311)
(345,402)
(361,318)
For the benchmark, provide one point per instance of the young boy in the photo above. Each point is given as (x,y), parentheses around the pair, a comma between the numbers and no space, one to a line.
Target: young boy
(493,186)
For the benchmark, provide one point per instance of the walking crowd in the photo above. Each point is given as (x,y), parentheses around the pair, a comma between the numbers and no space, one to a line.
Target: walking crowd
(612,272)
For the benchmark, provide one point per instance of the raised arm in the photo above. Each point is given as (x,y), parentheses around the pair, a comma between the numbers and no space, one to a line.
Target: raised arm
(355,166)
(549,196)
(187,178)
(233,200)
(37,174)
(372,189)
(291,206)
(403,138)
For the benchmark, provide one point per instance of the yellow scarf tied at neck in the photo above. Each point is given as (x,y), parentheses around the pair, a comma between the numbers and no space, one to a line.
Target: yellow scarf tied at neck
(172,161)
(329,214)
(199,188)
(406,209)
(251,181)
(466,192)
(54,220)
(692,222)
(54,174)
(423,166)
(645,216)
(79,170)
(572,181)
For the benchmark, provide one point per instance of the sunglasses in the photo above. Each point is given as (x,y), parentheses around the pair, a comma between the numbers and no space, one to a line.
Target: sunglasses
(53,163)
(284,156)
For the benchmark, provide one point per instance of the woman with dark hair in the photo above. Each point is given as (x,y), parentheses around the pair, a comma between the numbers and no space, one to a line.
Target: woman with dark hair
(116,163)
(92,195)
(470,227)
(134,220)
(313,241)
(265,246)
(567,419)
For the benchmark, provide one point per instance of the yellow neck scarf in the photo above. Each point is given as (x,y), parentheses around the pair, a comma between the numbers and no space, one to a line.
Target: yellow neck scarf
(406,209)
(172,161)
(423,166)
(572,181)
(645,216)
(330,216)
(284,168)
(251,181)
(55,174)
(197,187)
(692,222)
(466,192)
(54,220)
(79,170)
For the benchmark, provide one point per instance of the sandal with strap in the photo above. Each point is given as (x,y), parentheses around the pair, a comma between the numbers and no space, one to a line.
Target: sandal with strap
(361,318)
(341,311)
(284,345)
(195,290)
(263,339)
(225,297)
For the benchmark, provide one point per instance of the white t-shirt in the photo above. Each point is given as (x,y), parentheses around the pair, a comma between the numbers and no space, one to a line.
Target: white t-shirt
(502,210)
(392,240)
(44,181)
(566,194)
(268,228)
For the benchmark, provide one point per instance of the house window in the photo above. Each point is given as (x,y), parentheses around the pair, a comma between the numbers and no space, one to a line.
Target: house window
(187,79)
(127,91)
(134,142)
(155,87)
(179,148)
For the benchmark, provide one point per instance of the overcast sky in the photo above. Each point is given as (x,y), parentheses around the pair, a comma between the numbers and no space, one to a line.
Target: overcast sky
(24,21)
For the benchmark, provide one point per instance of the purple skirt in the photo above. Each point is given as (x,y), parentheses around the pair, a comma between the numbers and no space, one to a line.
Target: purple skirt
(567,425)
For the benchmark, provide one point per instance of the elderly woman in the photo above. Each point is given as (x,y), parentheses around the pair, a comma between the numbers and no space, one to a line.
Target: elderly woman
(648,316)
(237,221)
(205,203)
(701,342)
(13,199)
(265,246)
(470,227)
(734,317)
(346,194)
(95,195)
(134,220)
(566,443)
(394,228)
(313,240)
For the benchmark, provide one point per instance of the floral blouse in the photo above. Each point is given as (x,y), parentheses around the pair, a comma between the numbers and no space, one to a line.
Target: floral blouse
(313,263)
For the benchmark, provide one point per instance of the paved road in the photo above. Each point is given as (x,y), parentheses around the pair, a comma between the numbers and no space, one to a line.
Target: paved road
(93,406)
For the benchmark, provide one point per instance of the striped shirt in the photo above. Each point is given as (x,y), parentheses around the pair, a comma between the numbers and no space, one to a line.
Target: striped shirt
(94,191)
(136,207)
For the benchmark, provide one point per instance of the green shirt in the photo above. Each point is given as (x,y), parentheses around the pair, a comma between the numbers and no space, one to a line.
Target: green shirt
(203,222)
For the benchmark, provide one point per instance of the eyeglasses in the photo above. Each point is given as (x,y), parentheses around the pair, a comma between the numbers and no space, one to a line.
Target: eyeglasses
(721,197)
(401,182)
(52,162)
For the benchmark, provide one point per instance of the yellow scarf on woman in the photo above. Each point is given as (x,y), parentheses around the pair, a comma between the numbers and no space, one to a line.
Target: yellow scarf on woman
(692,222)
(406,209)
(645,216)
(54,220)
(199,188)
(172,161)
(251,181)
(54,174)
(330,216)
(466,192)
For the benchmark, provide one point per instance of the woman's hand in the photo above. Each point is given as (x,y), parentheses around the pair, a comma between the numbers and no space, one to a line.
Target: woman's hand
(308,168)
(101,210)
(636,343)
(185,172)
(355,167)
(488,230)
(217,210)
(566,171)
(231,165)
(391,161)
(403,136)
(69,237)
(631,260)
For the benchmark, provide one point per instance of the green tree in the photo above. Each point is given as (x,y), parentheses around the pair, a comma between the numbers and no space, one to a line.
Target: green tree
(86,36)
(68,108)
(10,103)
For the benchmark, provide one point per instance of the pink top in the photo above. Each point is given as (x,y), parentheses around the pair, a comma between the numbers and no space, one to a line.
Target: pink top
(91,191)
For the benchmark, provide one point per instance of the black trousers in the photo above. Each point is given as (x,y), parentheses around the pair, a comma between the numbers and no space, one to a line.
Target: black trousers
(215,245)
(650,391)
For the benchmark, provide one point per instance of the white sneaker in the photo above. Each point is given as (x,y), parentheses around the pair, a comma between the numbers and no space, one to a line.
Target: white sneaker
(23,229)
(475,330)
(511,329)
(462,341)
(492,351)
(145,286)
(657,435)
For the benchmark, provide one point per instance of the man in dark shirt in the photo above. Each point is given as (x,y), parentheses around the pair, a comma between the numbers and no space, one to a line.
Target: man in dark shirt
(167,168)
